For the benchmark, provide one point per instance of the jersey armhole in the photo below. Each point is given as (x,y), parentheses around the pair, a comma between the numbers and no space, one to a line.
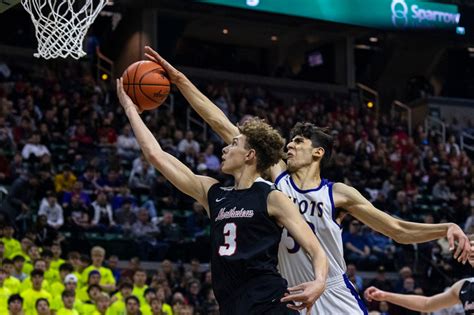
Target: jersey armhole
(333,207)
(279,177)
(209,199)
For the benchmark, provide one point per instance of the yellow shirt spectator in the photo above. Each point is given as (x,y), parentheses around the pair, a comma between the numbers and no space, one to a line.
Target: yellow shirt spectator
(65,180)
(12,246)
(13,284)
(117,308)
(26,284)
(29,299)
(4,295)
(52,275)
(58,304)
(139,293)
(65,311)
(106,276)
(55,264)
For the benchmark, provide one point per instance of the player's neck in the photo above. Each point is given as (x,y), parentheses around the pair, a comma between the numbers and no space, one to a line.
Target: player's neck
(245,178)
(307,177)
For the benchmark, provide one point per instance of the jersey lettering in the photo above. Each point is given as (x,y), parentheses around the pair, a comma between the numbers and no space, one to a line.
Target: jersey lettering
(230,234)
(296,247)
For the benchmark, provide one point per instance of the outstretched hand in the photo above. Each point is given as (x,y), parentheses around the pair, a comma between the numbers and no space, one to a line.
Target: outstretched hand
(463,248)
(124,99)
(173,73)
(374,294)
(305,295)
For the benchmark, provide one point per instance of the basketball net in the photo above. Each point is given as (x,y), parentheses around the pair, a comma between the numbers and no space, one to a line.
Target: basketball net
(61,25)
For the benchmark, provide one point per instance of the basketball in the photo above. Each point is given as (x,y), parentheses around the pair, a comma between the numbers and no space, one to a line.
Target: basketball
(147,84)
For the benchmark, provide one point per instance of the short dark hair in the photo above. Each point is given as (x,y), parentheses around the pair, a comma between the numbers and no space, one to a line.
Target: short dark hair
(132,297)
(39,300)
(37,272)
(148,290)
(15,297)
(319,137)
(66,267)
(47,253)
(265,140)
(18,258)
(126,285)
(7,261)
(92,286)
(68,293)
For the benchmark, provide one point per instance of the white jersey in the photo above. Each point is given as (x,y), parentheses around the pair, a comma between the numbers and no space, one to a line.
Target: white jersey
(317,207)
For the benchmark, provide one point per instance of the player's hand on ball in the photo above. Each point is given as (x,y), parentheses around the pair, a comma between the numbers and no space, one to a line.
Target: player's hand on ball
(304,295)
(463,248)
(124,99)
(173,73)
(375,294)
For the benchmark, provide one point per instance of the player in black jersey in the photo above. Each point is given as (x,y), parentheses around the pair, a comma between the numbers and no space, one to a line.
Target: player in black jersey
(462,292)
(246,220)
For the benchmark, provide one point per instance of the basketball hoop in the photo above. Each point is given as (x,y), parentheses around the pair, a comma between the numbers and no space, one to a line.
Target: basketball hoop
(61,25)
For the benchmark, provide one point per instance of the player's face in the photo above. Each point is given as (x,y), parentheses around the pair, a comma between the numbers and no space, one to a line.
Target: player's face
(300,153)
(235,155)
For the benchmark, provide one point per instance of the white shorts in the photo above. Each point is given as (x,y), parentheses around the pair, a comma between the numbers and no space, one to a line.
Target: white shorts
(339,298)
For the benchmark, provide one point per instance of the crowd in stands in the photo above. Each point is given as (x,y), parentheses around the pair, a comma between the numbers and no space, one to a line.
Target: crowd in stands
(71,174)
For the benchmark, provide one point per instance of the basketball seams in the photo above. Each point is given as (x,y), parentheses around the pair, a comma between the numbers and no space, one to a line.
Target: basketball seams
(134,77)
(140,85)
(147,95)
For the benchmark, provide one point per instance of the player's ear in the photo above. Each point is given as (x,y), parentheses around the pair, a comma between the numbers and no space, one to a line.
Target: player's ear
(318,152)
(251,154)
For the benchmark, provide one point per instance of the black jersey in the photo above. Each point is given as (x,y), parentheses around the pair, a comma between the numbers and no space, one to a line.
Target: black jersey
(466,295)
(244,246)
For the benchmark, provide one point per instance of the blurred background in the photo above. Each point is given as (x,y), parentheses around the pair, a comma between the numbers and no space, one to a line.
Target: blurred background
(392,79)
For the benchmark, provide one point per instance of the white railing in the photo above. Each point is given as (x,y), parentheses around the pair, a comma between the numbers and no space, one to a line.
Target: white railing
(464,146)
(199,122)
(373,93)
(409,113)
(436,125)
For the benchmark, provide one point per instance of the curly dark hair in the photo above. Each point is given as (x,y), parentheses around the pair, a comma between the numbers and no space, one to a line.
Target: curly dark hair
(265,140)
(319,137)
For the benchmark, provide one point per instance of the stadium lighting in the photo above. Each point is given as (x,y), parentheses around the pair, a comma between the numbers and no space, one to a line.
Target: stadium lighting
(104,76)
(370,104)
(225,31)
(373,39)
(274,38)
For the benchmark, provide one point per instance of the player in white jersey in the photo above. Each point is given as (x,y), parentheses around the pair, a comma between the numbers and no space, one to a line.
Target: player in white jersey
(308,151)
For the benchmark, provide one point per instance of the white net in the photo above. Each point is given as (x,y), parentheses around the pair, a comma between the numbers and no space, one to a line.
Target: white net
(61,25)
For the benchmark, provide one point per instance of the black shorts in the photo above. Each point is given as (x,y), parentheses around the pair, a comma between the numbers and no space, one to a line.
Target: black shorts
(261,296)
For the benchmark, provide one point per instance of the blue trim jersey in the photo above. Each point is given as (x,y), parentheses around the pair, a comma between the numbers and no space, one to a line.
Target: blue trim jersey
(317,207)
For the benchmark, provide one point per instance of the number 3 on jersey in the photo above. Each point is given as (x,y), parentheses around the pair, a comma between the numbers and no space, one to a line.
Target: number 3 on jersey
(230,234)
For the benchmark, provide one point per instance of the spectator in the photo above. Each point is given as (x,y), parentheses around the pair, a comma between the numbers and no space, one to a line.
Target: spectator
(52,210)
(107,281)
(212,161)
(354,277)
(36,293)
(189,145)
(125,215)
(103,219)
(356,247)
(441,191)
(170,231)
(127,145)
(140,182)
(145,233)
(34,149)
(132,305)
(469,224)
(380,281)
(64,181)
(112,263)
(15,305)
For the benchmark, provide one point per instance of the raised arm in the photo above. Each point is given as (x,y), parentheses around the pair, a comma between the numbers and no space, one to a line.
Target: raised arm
(171,168)
(403,232)
(286,214)
(418,302)
(208,111)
